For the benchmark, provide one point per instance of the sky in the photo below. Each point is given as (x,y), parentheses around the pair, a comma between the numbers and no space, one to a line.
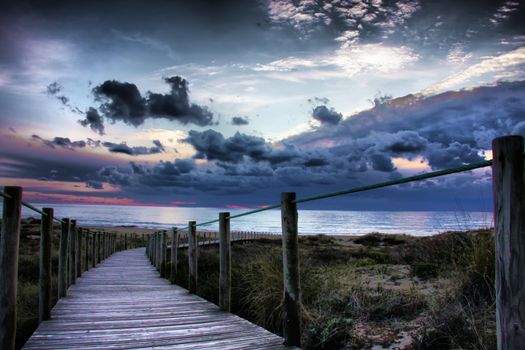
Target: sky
(229,103)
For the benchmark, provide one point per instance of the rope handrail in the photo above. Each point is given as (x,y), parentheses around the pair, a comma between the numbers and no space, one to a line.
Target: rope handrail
(30,206)
(423,176)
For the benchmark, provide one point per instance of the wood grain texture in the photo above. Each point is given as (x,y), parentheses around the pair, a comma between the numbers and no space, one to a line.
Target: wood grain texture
(292,290)
(9,245)
(124,304)
(509,218)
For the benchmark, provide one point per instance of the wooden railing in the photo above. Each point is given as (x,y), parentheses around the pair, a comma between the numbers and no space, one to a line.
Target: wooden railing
(79,250)
(509,217)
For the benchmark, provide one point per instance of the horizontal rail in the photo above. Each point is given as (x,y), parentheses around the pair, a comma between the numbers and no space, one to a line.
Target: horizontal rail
(403,180)
(399,181)
(30,206)
(5,195)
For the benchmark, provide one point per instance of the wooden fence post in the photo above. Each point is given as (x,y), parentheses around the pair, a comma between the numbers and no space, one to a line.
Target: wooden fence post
(79,259)
(93,249)
(508,178)
(192,257)
(225,262)
(125,241)
(87,249)
(9,244)
(62,259)
(163,255)
(292,292)
(44,277)
(174,249)
(72,253)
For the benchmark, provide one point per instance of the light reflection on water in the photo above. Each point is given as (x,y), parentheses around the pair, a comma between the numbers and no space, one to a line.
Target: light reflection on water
(310,221)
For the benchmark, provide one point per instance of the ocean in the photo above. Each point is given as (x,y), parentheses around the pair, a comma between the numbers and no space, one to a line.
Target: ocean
(335,222)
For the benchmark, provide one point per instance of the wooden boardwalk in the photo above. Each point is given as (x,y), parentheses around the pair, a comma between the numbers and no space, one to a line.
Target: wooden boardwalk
(124,304)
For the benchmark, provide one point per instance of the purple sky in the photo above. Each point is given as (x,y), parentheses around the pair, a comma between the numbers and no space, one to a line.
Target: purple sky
(228,103)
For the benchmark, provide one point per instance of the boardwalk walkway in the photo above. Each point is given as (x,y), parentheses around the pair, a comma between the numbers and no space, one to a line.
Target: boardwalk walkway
(124,304)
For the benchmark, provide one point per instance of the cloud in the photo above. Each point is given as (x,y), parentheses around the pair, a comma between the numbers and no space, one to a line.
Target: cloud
(134,151)
(445,130)
(212,145)
(63,142)
(55,89)
(326,116)
(507,62)
(96,185)
(94,120)
(122,101)
(240,121)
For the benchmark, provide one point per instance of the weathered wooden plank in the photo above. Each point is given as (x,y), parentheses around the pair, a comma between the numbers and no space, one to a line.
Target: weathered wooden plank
(292,292)
(124,304)
(9,245)
(509,219)
(225,262)
(44,276)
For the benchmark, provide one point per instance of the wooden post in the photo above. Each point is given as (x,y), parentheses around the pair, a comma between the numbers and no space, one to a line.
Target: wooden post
(508,179)
(174,248)
(72,253)
(88,249)
(62,259)
(44,277)
(225,262)
(163,254)
(93,249)
(80,237)
(292,292)
(9,244)
(192,257)
(125,241)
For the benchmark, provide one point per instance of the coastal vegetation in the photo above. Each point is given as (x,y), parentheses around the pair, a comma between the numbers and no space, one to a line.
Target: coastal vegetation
(357,292)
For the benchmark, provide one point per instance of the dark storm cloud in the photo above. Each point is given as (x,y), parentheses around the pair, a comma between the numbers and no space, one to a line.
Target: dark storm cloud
(448,129)
(94,120)
(326,116)
(97,185)
(212,145)
(122,101)
(121,176)
(240,121)
(176,105)
(134,151)
(63,142)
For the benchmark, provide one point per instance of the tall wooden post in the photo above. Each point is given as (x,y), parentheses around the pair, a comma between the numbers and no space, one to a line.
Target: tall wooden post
(44,277)
(9,244)
(79,258)
(508,178)
(292,292)
(125,241)
(88,250)
(174,249)
(62,259)
(225,262)
(72,253)
(192,257)
(94,249)
(163,254)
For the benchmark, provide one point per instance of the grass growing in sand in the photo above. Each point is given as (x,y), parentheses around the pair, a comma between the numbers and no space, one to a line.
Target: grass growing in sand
(383,290)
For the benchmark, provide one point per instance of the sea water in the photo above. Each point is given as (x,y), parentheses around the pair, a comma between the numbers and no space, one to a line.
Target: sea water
(335,222)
